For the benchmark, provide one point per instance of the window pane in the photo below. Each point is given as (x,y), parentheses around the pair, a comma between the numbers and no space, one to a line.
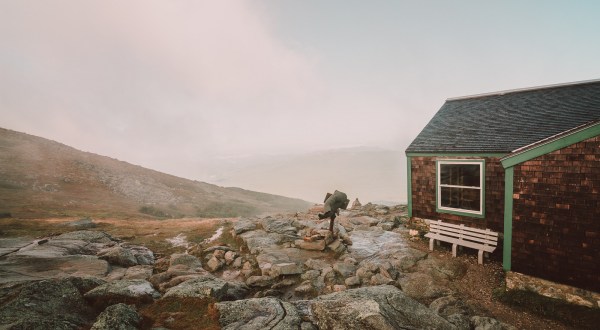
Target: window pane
(460,198)
(460,174)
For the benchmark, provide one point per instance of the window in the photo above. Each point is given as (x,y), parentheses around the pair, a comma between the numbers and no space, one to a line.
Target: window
(460,187)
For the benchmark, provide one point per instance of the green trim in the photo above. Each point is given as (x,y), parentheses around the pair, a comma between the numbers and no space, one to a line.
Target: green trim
(409,185)
(508,216)
(551,146)
(482,174)
(458,154)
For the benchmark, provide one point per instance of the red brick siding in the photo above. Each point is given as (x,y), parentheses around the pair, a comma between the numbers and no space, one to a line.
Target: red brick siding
(423,193)
(556,217)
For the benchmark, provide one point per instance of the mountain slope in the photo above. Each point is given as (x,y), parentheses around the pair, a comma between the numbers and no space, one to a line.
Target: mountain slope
(40,177)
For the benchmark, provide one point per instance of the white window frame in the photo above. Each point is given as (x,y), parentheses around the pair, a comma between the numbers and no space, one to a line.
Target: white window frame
(481,187)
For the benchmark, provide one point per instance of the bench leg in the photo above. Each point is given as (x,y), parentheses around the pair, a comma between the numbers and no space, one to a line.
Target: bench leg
(480,257)
(431,244)
(454,250)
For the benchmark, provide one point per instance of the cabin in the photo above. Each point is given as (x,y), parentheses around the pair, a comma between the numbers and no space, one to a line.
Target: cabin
(524,163)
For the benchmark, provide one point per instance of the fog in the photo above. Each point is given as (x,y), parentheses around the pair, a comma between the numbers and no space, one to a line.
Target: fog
(194,88)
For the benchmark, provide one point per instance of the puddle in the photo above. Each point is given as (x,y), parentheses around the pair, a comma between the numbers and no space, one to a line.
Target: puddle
(179,240)
(216,235)
(367,244)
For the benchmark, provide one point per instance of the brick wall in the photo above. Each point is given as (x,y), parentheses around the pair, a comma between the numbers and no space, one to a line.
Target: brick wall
(556,217)
(423,193)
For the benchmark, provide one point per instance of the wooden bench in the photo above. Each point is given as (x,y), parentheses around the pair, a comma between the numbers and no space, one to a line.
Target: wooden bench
(483,240)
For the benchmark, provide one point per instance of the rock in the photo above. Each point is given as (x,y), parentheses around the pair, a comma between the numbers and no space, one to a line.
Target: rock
(462,322)
(377,307)
(488,323)
(304,288)
(449,305)
(87,236)
(387,226)
(284,283)
(258,313)
(423,286)
(259,281)
(84,223)
(242,226)
(237,263)
(344,269)
(46,304)
(308,326)
(339,287)
(119,317)
(214,264)
(219,254)
(236,291)
(118,255)
(258,240)
(139,272)
(280,226)
(352,281)
(199,287)
(444,269)
(285,269)
(316,245)
(337,246)
(85,284)
(217,247)
(230,257)
(116,273)
(310,275)
(189,261)
(379,279)
(124,291)
(316,264)
(364,274)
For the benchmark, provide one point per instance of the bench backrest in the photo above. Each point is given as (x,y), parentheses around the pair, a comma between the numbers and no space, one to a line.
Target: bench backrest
(466,233)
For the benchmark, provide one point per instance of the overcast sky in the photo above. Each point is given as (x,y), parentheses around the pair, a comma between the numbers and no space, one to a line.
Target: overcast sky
(171,85)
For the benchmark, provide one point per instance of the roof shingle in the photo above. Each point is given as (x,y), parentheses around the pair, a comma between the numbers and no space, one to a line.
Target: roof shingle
(503,122)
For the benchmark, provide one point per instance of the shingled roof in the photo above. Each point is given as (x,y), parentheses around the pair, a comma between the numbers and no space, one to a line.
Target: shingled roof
(504,121)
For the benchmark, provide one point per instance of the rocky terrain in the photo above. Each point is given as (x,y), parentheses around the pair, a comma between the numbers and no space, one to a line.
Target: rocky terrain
(279,272)
(43,178)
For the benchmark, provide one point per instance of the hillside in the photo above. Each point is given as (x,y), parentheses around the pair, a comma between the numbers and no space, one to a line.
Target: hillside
(43,178)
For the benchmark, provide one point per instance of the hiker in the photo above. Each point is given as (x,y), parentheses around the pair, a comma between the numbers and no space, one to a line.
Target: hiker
(333,203)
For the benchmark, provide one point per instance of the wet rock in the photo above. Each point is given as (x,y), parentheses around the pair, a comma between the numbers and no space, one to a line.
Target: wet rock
(199,287)
(124,291)
(46,304)
(38,264)
(258,313)
(258,240)
(119,317)
(377,307)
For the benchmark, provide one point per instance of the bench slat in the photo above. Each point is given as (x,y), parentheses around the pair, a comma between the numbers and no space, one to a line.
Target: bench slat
(459,241)
(441,224)
(460,232)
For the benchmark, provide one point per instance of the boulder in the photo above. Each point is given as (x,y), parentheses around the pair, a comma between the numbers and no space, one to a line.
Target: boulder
(352,281)
(280,226)
(45,304)
(214,264)
(380,279)
(316,264)
(230,257)
(305,288)
(88,236)
(310,275)
(118,255)
(124,291)
(119,316)
(377,307)
(257,240)
(199,287)
(258,313)
(85,284)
